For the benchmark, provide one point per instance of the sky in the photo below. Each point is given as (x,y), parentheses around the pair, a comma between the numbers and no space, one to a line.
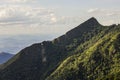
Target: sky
(24,22)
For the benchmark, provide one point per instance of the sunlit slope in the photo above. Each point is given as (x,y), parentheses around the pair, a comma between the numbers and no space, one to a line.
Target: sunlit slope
(99,61)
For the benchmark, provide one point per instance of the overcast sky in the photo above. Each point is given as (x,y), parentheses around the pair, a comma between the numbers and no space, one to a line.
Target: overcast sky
(50,17)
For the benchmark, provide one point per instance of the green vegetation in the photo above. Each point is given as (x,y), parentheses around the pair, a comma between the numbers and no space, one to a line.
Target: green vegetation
(100,61)
(88,52)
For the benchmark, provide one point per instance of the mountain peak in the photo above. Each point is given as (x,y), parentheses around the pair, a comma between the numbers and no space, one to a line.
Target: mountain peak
(93,18)
(92,22)
(86,26)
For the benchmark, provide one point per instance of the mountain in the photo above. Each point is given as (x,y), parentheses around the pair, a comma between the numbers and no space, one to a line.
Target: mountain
(101,61)
(90,51)
(5,57)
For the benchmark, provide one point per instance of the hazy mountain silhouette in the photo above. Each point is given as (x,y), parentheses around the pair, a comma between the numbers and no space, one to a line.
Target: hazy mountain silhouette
(4,57)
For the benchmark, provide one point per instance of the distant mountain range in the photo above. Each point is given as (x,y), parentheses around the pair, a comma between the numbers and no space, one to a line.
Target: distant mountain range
(90,51)
(5,57)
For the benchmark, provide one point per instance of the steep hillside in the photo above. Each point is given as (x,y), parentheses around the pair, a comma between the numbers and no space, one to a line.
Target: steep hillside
(101,61)
(38,61)
(5,57)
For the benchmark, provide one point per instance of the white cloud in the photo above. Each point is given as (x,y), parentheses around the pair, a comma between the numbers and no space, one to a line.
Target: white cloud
(25,15)
(19,1)
(54,19)
(36,20)
(16,19)
(108,12)
(105,16)
(93,10)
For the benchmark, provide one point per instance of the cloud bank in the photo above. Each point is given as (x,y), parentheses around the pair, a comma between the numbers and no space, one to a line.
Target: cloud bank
(106,16)
(20,1)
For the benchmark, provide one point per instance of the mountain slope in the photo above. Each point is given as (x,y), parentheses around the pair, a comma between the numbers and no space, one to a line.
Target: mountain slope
(5,57)
(43,58)
(100,61)
(38,61)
